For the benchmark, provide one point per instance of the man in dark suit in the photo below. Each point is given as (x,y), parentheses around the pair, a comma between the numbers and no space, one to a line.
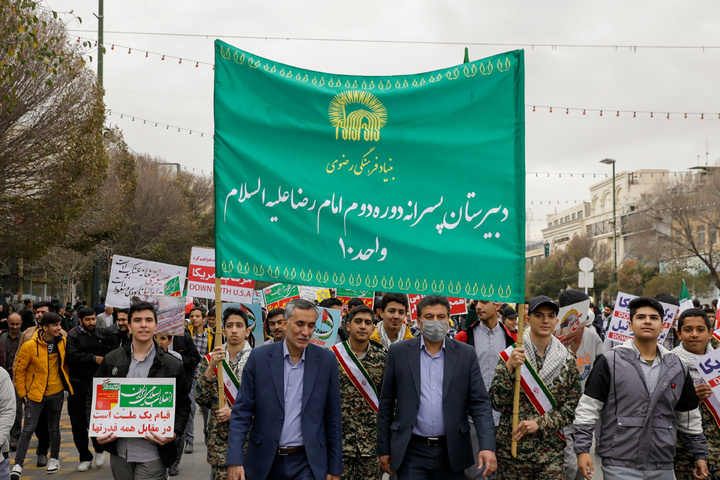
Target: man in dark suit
(430,387)
(289,401)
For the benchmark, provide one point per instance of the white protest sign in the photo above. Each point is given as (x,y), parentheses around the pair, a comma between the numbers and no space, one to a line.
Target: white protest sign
(686,305)
(132,277)
(709,367)
(201,279)
(620,331)
(132,407)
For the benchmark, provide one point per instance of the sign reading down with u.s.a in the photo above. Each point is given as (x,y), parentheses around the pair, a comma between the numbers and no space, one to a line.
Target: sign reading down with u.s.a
(409,183)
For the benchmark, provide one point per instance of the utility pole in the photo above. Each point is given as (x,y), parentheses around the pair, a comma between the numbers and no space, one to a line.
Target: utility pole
(610,161)
(97,264)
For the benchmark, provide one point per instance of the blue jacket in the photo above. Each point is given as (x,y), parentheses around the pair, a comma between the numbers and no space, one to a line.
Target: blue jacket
(259,411)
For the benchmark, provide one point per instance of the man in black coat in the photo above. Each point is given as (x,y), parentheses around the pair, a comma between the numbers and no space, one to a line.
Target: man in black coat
(143,358)
(86,346)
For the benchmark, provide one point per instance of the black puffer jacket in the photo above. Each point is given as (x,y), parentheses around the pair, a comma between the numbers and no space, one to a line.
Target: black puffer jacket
(117,364)
(81,350)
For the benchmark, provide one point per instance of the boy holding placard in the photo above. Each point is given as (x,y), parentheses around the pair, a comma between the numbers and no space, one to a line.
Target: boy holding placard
(695,330)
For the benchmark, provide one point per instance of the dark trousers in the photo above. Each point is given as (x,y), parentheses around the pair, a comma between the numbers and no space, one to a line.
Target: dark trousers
(291,467)
(41,432)
(17,426)
(33,413)
(77,411)
(426,462)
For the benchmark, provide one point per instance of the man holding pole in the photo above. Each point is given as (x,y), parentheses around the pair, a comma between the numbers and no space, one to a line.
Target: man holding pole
(231,358)
(551,389)
(431,385)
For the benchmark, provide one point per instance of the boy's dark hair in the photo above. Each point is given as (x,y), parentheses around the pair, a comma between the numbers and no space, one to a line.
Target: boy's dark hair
(640,302)
(50,318)
(199,309)
(393,297)
(211,313)
(235,311)
(359,309)
(667,298)
(275,312)
(431,300)
(27,302)
(709,311)
(139,307)
(571,296)
(331,302)
(85,312)
(696,303)
(355,302)
(693,312)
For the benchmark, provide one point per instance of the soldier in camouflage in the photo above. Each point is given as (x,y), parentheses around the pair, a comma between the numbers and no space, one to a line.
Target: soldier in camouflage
(236,351)
(539,446)
(363,362)
(695,332)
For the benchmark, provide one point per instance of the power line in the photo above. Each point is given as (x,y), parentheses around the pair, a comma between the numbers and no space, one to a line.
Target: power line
(552,46)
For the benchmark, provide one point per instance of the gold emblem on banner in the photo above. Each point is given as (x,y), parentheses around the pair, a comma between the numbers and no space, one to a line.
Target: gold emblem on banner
(357,115)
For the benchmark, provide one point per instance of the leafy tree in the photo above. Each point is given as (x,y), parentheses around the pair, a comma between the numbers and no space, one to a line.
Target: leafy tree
(51,117)
(28,41)
(560,271)
(633,276)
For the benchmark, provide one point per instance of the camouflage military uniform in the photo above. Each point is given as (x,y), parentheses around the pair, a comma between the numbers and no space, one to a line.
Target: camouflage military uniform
(206,393)
(684,461)
(360,460)
(539,455)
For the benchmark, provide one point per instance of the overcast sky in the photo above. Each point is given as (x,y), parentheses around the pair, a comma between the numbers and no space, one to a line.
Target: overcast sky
(414,36)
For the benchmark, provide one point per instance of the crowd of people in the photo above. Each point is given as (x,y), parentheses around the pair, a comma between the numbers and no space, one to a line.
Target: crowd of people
(413,399)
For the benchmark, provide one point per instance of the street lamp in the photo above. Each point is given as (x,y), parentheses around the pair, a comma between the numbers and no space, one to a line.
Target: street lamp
(610,161)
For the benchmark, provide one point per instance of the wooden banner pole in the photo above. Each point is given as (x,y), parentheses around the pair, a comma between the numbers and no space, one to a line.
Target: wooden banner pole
(516,397)
(218,339)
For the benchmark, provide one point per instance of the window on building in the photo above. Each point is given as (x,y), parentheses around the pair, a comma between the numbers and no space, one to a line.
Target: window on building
(567,218)
(712,230)
(555,223)
(549,224)
(701,237)
(580,215)
(573,216)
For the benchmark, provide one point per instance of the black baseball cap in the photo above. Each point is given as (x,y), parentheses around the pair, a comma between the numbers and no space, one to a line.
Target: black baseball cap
(541,300)
(508,312)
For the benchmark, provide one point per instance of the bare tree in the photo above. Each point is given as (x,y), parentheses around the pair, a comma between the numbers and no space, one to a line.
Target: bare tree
(679,222)
(170,213)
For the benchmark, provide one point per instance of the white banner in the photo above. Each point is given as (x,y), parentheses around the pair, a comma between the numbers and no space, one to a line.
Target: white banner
(132,277)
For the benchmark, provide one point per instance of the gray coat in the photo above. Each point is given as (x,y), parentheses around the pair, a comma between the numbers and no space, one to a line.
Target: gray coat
(7,409)
(639,430)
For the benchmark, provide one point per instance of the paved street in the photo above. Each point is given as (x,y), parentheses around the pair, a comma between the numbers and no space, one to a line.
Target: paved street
(193,466)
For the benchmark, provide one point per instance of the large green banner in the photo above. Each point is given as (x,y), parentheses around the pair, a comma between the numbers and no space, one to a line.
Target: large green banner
(412,183)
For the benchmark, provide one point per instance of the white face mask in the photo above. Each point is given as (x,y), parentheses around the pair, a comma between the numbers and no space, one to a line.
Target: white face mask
(434,330)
